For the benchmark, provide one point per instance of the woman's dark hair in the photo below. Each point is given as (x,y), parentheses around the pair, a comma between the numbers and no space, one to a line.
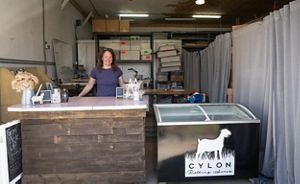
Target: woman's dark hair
(100,61)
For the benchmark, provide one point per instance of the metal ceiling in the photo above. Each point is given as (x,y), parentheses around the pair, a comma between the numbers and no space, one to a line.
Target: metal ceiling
(233,11)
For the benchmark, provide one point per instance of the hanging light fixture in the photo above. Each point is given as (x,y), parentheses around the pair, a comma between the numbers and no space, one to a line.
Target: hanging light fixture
(200,2)
(207,16)
(133,15)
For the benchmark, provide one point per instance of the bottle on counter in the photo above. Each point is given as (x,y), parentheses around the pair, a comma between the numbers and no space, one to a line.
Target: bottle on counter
(56,96)
(64,96)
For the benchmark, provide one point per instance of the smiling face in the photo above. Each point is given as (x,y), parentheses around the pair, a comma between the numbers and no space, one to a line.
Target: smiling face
(107,59)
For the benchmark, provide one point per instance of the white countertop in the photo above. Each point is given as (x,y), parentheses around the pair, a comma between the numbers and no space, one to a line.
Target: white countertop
(84,104)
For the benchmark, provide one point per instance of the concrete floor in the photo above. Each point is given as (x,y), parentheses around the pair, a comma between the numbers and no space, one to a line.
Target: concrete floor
(151,157)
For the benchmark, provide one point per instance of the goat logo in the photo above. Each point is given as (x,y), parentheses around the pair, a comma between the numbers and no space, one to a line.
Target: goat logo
(212,145)
(202,163)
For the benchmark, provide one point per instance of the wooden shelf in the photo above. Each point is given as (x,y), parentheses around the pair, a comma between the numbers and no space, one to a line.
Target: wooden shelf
(134,61)
(122,34)
(194,46)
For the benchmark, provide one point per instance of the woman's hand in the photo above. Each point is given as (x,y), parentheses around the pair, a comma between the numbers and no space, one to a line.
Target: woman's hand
(121,82)
(88,87)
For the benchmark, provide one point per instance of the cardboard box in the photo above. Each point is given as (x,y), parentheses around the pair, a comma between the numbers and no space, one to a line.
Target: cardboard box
(134,55)
(114,44)
(129,55)
(112,25)
(99,25)
(177,77)
(124,55)
(166,47)
(124,26)
(170,68)
(162,77)
(134,37)
(124,44)
(145,44)
(135,45)
(117,53)
(146,57)
(176,63)
(170,59)
(161,54)
(146,51)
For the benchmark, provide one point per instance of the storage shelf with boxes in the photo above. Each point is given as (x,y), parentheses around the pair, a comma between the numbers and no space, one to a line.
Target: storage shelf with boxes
(133,50)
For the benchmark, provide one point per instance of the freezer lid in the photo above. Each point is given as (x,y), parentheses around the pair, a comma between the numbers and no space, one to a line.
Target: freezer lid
(202,113)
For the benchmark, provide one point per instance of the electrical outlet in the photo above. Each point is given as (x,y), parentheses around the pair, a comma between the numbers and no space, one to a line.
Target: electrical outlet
(47,46)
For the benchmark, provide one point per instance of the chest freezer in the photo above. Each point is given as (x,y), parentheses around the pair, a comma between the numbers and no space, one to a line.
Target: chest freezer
(206,141)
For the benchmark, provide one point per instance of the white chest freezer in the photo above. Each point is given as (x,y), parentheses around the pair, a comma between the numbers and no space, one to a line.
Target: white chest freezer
(206,141)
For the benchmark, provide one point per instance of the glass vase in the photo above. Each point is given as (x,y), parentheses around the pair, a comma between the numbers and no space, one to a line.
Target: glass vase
(26,96)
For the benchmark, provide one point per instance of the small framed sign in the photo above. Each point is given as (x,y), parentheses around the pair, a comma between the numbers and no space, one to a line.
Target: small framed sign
(47,96)
(119,92)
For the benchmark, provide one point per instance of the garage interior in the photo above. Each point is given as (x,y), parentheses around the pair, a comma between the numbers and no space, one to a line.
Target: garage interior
(235,51)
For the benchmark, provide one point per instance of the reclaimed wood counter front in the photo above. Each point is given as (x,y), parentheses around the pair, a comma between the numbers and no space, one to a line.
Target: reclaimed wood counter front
(88,140)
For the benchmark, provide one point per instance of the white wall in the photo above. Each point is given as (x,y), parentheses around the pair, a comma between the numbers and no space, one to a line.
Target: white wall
(60,24)
(21,29)
(21,32)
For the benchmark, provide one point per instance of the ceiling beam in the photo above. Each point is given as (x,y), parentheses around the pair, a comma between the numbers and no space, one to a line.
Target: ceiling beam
(78,7)
(90,15)
(94,8)
(64,3)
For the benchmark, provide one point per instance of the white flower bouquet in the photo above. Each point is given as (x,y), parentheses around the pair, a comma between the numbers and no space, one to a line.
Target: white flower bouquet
(24,80)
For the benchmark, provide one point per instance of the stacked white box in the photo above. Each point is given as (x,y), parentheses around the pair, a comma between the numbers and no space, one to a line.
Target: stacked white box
(146,51)
(135,45)
(113,44)
(130,55)
(167,47)
(168,53)
(170,68)
(124,44)
(145,44)
(170,64)
(146,57)
(169,58)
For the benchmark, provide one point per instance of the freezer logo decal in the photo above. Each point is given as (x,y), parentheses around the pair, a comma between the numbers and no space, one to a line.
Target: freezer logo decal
(211,158)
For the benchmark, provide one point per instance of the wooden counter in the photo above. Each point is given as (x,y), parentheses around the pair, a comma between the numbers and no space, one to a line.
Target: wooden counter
(88,140)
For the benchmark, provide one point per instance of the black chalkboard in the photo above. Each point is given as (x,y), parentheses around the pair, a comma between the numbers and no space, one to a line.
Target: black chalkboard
(14,150)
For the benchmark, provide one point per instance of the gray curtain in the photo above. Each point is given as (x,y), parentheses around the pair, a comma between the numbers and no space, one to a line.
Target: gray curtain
(215,68)
(191,62)
(266,79)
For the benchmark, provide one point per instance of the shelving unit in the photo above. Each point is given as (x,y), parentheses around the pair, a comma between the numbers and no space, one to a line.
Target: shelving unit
(134,61)
(126,35)
(191,41)
(195,40)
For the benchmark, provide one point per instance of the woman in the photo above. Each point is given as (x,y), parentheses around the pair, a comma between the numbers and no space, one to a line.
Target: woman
(107,75)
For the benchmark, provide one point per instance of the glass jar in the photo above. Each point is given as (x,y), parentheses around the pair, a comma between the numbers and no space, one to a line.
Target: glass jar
(64,96)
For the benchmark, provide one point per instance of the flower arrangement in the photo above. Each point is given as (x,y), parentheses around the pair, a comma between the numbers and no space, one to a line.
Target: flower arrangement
(24,80)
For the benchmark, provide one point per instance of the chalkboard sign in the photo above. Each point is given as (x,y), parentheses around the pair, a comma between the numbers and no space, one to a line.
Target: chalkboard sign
(14,150)
(10,152)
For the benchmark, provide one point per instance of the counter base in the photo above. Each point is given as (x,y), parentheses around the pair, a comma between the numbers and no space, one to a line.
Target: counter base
(83,148)
(110,177)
